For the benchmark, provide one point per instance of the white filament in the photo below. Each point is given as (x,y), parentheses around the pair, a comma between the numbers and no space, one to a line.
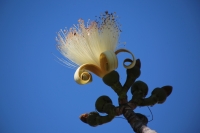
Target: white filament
(81,45)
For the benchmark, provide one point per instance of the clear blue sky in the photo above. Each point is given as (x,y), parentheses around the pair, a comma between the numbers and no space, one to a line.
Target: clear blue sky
(39,95)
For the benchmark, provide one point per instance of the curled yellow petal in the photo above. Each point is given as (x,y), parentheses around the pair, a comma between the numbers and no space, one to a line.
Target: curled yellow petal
(132,61)
(82,76)
(108,62)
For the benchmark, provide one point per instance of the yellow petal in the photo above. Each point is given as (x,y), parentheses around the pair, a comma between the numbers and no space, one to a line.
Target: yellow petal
(132,61)
(108,61)
(82,76)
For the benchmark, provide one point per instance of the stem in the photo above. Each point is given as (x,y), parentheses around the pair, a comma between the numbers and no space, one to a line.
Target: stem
(137,121)
(132,75)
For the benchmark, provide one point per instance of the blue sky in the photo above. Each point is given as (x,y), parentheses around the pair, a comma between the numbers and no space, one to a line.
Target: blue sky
(39,95)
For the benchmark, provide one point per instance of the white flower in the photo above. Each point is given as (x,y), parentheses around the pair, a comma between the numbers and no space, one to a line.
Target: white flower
(91,48)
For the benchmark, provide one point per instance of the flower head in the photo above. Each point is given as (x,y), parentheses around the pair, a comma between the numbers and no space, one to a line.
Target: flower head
(92,47)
